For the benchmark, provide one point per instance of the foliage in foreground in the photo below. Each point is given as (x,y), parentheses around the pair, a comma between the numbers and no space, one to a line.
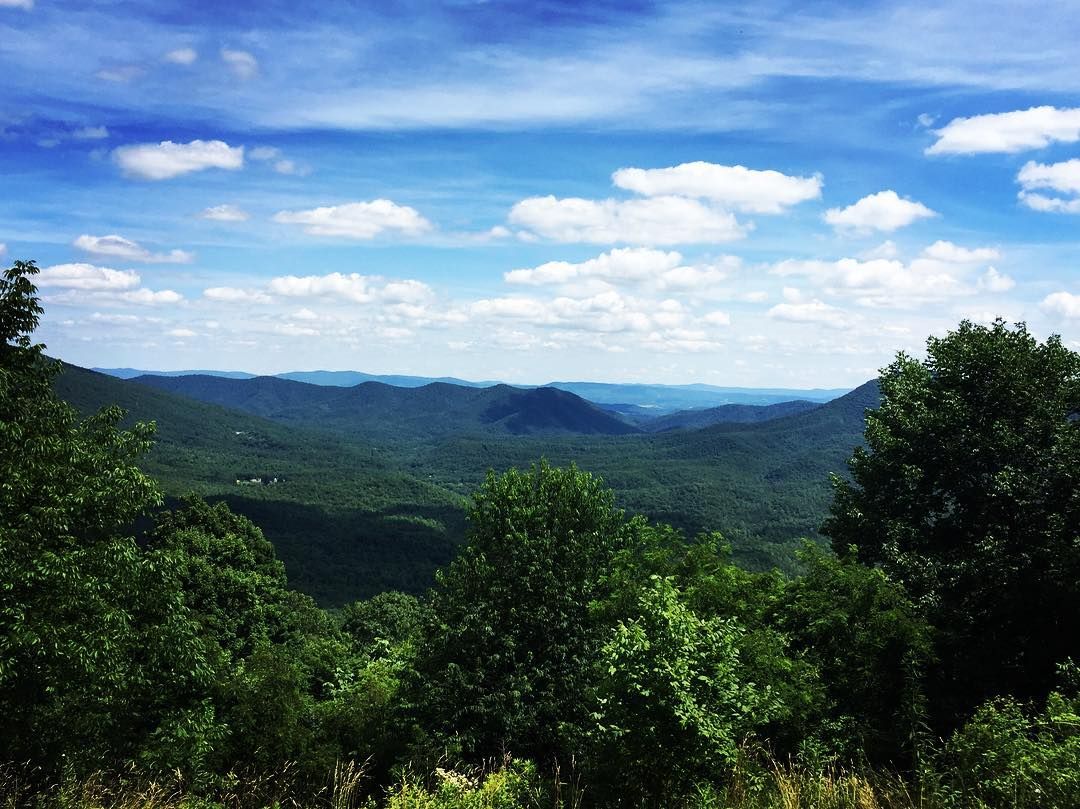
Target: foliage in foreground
(566,634)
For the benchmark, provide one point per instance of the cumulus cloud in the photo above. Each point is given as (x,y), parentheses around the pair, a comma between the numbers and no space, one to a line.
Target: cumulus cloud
(119,247)
(882,282)
(182,56)
(1016,131)
(408,291)
(717,318)
(162,161)
(225,213)
(1045,204)
(628,263)
(149,297)
(87,277)
(236,295)
(734,187)
(994,281)
(810,312)
(947,251)
(653,221)
(357,220)
(1063,178)
(1062,304)
(883,211)
(352,287)
(181,333)
(242,64)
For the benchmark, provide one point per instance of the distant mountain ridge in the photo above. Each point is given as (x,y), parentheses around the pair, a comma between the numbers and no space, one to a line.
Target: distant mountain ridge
(657,399)
(376,410)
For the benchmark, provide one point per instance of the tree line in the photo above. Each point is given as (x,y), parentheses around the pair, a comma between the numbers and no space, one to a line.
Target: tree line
(571,655)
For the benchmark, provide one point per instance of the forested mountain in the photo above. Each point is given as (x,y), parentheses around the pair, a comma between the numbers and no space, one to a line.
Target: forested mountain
(766,483)
(375,410)
(345,518)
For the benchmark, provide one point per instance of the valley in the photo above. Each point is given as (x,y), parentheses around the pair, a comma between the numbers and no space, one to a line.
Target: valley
(374,477)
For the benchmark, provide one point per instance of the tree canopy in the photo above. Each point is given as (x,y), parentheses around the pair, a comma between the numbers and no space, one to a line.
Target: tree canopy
(968,492)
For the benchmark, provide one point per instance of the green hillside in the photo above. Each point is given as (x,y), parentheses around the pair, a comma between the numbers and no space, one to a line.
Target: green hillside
(344,517)
(351,518)
(764,485)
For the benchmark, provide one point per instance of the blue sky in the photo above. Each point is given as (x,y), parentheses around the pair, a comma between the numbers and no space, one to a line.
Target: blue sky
(740,194)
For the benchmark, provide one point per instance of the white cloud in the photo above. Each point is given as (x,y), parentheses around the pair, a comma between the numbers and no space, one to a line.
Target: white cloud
(353,287)
(947,251)
(698,277)
(119,247)
(1063,177)
(87,277)
(735,187)
(182,56)
(148,297)
(305,314)
(1062,304)
(121,320)
(1040,202)
(652,221)
(225,213)
(885,211)
(162,161)
(628,263)
(926,120)
(264,153)
(407,291)
(1016,131)
(994,281)
(181,333)
(717,318)
(357,220)
(3,249)
(519,307)
(24,4)
(243,64)
(810,312)
(882,282)
(236,295)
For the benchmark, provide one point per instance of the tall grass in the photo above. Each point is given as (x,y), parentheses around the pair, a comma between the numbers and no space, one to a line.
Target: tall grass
(513,785)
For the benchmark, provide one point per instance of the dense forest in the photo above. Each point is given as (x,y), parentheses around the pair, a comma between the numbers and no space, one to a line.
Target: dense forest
(568,654)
